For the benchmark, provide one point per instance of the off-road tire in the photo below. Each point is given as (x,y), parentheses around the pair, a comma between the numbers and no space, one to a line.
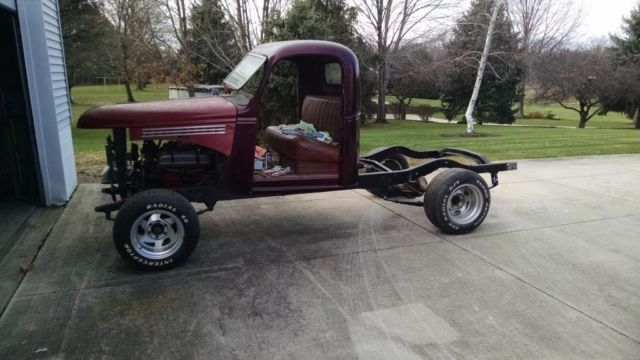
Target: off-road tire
(173,212)
(457,201)
(395,161)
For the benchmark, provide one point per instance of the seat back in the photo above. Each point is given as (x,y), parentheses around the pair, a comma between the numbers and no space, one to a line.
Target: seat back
(325,113)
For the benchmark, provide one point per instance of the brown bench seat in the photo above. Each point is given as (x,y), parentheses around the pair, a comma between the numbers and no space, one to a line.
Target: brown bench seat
(305,155)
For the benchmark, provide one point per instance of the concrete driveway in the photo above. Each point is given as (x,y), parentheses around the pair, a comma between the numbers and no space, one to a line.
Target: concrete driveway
(554,272)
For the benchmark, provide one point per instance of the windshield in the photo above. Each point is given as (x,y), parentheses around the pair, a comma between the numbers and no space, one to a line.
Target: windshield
(246,70)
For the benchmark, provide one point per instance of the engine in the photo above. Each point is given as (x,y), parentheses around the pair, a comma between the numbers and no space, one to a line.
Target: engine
(175,164)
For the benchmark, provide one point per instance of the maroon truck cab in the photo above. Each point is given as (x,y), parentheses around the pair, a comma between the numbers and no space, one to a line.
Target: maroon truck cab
(229,124)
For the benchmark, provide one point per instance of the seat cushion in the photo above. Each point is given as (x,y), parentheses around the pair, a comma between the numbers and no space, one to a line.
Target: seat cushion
(301,148)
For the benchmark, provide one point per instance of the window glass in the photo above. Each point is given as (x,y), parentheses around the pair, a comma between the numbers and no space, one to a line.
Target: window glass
(333,74)
(245,71)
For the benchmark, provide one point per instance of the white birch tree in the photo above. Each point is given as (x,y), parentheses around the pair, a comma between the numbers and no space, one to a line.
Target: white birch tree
(483,63)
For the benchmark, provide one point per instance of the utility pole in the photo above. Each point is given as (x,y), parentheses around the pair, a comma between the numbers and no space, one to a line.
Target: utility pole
(483,63)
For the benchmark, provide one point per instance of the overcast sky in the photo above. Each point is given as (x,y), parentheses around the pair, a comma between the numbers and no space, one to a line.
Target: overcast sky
(605,16)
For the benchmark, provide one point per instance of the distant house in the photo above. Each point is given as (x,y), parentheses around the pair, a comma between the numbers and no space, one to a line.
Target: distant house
(36,152)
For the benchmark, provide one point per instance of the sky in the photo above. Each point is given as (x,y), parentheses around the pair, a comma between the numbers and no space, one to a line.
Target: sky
(604,17)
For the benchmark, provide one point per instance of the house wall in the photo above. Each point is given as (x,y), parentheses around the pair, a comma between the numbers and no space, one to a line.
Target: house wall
(46,75)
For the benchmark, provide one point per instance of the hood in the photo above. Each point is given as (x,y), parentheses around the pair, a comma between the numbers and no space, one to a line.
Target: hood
(193,111)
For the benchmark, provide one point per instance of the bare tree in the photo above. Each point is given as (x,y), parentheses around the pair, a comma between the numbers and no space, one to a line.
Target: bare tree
(411,76)
(248,19)
(587,77)
(387,24)
(543,26)
(130,23)
(178,42)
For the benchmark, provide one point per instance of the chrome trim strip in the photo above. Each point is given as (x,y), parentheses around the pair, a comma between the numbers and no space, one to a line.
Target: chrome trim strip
(185,130)
(183,134)
(188,127)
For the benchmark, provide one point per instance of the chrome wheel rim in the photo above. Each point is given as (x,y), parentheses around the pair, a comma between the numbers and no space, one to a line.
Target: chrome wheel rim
(157,234)
(465,204)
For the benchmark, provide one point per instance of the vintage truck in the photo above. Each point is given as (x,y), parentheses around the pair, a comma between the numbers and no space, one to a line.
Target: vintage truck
(165,155)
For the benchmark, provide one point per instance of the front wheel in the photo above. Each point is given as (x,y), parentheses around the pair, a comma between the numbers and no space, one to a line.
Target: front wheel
(457,201)
(156,229)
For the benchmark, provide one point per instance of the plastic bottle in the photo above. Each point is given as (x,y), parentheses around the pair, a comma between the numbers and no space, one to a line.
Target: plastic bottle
(268,160)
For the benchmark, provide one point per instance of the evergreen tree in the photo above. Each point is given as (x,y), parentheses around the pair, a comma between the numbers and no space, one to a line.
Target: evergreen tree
(212,42)
(87,37)
(503,73)
(331,20)
(627,50)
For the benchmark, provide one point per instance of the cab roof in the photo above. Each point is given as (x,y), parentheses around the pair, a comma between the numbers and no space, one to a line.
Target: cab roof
(285,49)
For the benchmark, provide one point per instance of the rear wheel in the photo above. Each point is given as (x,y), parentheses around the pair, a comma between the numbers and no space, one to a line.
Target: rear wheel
(457,201)
(394,162)
(156,229)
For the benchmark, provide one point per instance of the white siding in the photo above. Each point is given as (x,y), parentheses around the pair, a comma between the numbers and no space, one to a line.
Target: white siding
(46,75)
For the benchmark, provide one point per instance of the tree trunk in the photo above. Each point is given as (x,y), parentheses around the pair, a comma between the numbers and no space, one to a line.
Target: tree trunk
(636,118)
(127,86)
(139,85)
(583,120)
(402,107)
(521,94)
(382,110)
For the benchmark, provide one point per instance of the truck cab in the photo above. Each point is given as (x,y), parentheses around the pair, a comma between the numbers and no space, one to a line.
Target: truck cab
(326,96)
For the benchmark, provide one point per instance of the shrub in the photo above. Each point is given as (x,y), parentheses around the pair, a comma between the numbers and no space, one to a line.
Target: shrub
(394,109)
(368,110)
(551,116)
(535,115)
(425,112)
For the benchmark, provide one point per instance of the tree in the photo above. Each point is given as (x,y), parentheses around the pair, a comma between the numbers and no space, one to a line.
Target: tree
(86,34)
(483,63)
(387,25)
(464,53)
(587,76)
(131,23)
(543,26)
(410,76)
(178,43)
(250,20)
(627,51)
(331,20)
(213,41)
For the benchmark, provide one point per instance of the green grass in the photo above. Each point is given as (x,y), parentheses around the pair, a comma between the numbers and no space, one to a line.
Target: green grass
(614,135)
(502,142)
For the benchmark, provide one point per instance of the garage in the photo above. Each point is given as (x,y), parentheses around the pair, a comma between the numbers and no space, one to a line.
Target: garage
(36,152)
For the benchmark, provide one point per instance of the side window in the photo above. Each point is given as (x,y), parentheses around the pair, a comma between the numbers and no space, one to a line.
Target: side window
(333,74)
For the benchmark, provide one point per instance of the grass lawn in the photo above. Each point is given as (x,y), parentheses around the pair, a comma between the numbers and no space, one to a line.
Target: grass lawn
(502,142)
(564,116)
(614,134)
